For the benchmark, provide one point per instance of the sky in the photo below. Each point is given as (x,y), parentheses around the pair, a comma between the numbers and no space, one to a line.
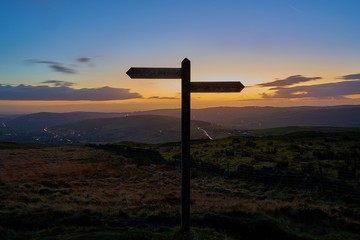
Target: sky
(73,55)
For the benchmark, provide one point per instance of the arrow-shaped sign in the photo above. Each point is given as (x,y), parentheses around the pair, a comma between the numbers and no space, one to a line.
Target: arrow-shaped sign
(207,87)
(166,73)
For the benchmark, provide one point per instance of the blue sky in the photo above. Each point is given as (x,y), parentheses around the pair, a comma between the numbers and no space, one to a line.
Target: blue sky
(252,41)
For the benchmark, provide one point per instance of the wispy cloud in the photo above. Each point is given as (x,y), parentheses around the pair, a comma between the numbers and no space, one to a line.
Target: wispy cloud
(64,93)
(55,66)
(158,97)
(355,76)
(327,90)
(84,59)
(58,83)
(288,81)
(62,69)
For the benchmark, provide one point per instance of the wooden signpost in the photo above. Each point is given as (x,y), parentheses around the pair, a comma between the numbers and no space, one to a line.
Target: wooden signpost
(158,73)
(186,88)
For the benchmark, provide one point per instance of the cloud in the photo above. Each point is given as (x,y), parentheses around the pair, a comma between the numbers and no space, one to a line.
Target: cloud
(84,59)
(58,83)
(327,90)
(288,81)
(46,62)
(55,66)
(64,93)
(355,76)
(60,68)
(158,97)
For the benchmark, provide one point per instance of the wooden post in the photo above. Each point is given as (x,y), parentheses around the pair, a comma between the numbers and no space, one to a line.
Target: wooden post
(185,146)
(186,88)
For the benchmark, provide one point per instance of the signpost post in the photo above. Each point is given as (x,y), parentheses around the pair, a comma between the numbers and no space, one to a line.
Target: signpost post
(186,88)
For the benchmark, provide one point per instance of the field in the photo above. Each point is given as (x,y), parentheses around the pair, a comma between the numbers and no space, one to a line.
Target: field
(290,185)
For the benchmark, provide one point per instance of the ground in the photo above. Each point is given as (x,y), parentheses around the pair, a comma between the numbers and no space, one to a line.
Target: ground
(92,192)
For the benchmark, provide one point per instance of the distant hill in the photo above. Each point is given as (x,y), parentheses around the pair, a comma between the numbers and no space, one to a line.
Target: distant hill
(271,117)
(164,125)
(140,128)
(38,121)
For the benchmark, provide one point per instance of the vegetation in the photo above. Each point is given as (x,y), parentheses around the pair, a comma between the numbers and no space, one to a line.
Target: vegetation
(297,185)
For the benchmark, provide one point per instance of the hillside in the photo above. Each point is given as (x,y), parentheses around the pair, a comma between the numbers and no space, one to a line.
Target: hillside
(298,185)
(164,125)
(270,117)
(38,121)
(140,128)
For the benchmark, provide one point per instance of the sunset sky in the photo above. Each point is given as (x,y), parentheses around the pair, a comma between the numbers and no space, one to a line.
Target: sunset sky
(72,55)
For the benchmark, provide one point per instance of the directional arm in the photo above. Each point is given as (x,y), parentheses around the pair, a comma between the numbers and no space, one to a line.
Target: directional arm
(166,73)
(207,87)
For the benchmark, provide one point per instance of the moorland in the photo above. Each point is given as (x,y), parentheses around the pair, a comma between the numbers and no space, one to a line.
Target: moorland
(279,183)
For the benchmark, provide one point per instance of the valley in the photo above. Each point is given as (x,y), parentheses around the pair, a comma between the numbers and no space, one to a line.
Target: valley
(161,126)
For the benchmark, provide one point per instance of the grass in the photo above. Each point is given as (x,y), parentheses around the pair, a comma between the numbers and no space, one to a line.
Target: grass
(329,150)
(78,192)
(108,233)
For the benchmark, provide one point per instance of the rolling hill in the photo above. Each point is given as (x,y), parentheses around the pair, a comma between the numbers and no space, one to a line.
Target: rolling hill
(163,125)
(141,128)
(37,121)
(270,117)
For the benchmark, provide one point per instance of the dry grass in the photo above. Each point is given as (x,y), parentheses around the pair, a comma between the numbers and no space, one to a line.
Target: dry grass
(72,179)
(77,177)
(80,176)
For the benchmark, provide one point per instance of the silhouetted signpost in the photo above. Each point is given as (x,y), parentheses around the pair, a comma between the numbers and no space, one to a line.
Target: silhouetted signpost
(186,88)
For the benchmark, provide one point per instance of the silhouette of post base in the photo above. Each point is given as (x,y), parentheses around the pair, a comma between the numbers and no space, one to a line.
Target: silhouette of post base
(184,235)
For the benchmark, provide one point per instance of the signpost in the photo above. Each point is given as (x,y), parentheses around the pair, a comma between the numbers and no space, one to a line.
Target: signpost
(186,88)
(168,73)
